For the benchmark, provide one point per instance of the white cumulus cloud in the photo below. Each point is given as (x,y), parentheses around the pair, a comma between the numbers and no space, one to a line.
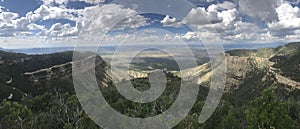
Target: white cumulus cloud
(109,17)
(288,24)
(171,22)
(261,9)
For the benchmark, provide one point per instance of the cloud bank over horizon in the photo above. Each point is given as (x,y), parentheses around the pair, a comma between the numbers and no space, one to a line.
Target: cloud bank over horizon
(54,23)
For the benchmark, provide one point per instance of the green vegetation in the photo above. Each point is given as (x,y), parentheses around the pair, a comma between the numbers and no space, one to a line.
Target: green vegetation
(258,102)
(267,112)
(62,110)
(263,52)
(288,61)
(45,111)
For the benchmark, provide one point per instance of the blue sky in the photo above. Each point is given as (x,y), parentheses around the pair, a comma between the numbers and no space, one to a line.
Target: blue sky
(55,23)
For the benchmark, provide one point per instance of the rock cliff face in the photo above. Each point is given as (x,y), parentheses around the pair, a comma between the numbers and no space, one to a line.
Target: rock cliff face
(240,68)
(64,71)
(138,74)
(47,74)
(244,64)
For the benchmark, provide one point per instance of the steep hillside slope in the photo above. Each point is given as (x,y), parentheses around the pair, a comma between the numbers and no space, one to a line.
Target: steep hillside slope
(22,75)
(280,64)
(287,62)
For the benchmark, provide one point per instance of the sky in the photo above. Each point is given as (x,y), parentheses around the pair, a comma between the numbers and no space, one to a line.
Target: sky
(61,23)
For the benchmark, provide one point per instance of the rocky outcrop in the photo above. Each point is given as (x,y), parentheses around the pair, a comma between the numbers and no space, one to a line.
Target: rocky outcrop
(244,63)
(65,70)
(200,70)
(119,75)
(138,74)
(284,80)
(57,71)
(237,70)
(240,68)
(9,81)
